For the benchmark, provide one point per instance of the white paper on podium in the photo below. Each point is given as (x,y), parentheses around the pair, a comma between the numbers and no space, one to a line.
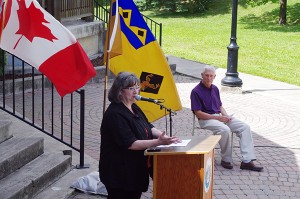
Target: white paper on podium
(182,143)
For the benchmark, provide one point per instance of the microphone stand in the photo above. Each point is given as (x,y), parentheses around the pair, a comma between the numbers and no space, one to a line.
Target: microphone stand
(170,115)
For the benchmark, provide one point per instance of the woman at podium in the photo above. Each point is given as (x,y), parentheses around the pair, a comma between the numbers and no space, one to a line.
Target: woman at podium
(125,134)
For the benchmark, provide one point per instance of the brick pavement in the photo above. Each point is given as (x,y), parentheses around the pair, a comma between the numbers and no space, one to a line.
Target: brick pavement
(276,133)
(271,108)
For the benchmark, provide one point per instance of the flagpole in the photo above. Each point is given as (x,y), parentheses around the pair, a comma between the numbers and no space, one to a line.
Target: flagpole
(105,81)
(106,74)
(109,44)
(107,60)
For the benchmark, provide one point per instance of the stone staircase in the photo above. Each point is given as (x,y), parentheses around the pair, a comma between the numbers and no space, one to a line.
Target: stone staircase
(33,164)
(26,168)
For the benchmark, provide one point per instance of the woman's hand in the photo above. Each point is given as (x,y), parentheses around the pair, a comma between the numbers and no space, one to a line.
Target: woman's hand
(164,139)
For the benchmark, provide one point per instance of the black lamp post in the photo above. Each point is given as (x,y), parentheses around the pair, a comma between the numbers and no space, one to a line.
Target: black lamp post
(232,76)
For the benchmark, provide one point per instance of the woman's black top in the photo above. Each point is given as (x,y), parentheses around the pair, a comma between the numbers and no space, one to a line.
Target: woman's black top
(120,167)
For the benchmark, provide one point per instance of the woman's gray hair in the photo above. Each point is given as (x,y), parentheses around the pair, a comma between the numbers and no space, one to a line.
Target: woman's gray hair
(122,80)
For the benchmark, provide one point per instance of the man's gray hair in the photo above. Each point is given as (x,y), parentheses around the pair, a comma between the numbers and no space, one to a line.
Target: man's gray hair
(209,68)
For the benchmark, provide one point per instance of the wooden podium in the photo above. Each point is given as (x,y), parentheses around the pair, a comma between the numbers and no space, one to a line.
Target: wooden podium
(185,171)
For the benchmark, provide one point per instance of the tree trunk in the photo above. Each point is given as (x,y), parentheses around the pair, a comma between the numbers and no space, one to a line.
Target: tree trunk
(282,12)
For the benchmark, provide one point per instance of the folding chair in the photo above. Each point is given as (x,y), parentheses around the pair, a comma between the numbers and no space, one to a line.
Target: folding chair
(199,127)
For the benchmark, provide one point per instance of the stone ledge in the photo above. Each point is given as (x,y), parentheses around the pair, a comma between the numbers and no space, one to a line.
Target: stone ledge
(89,34)
(81,29)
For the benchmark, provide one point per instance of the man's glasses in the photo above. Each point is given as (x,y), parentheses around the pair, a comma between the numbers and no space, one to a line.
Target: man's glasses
(133,88)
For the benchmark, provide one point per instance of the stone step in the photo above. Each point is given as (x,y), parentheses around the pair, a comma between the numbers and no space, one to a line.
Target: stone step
(5,133)
(35,176)
(17,152)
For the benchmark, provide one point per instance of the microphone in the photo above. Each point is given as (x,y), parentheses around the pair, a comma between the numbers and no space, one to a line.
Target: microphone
(138,97)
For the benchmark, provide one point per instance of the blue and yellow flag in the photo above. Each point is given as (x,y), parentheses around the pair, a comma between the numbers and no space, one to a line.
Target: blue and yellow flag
(135,49)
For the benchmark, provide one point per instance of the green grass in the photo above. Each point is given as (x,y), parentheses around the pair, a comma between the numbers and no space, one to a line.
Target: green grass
(266,49)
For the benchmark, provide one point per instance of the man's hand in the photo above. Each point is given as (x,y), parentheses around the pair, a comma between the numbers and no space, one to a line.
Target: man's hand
(223,118)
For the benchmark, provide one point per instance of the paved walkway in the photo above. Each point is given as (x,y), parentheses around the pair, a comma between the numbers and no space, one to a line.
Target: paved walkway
(271,108)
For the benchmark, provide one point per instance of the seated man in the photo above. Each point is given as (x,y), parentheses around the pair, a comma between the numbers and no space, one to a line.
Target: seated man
(207,106)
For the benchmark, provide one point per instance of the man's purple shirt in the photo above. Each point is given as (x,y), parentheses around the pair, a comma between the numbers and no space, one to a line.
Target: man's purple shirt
(206,99)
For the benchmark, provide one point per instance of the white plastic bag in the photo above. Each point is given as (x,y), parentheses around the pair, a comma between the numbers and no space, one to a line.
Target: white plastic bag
(90,184)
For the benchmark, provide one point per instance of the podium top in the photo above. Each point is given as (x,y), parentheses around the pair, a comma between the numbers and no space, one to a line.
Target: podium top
(197,145)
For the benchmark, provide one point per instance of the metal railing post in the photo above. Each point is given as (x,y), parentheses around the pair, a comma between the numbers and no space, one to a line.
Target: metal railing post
(81,153)
(160,34)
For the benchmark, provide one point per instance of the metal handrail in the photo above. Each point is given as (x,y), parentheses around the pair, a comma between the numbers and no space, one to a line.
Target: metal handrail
(25,96)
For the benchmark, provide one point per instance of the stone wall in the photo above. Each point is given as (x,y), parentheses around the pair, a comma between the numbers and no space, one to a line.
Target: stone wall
(90,35)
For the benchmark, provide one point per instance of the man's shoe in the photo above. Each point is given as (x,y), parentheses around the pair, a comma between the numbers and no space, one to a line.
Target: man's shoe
(250,166)
(226,165)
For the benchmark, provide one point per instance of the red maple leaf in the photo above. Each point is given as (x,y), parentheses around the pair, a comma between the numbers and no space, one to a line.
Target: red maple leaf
(31,23)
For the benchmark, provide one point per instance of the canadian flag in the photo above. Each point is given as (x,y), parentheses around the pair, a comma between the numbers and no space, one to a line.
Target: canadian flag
(32,34)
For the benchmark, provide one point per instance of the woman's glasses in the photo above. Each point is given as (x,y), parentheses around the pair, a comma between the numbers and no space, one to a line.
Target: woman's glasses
(133,88)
